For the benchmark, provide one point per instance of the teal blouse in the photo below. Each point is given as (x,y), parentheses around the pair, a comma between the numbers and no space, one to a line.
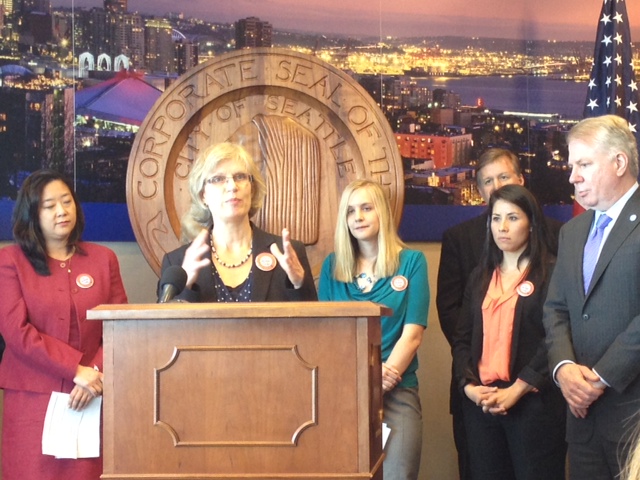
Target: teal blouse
(410,305)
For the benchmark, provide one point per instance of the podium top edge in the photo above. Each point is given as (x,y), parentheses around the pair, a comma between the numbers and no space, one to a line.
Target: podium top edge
(172,311)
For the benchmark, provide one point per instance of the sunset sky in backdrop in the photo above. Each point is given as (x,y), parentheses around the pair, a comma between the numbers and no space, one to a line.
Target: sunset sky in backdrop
(519,19)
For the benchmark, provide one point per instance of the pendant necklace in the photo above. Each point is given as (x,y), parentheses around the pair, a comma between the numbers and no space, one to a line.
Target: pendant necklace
(66,263)
(363,281)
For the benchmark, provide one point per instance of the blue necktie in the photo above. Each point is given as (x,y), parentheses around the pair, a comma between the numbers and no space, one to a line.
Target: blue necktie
(591,248)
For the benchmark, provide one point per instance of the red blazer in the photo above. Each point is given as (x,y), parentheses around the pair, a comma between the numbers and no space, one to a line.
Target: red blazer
(36,312)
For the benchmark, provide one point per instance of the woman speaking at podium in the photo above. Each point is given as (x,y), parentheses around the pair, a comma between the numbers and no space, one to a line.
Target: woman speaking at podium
(228,258)
(370,263)
(49,279)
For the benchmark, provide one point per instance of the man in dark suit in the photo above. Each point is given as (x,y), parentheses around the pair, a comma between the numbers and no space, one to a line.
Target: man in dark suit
(593,331)
(461,250)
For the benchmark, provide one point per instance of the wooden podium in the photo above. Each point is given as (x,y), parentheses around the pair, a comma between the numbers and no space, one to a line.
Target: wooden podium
(250,390)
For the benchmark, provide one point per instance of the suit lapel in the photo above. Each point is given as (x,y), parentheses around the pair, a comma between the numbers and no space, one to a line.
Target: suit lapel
(205,283)
(524,306)
(478,234)
(261,278)
(521,305)
(627,222)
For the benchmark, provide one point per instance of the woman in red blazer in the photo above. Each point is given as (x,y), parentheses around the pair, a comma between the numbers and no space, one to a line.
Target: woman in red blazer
(513,414)
(49,279)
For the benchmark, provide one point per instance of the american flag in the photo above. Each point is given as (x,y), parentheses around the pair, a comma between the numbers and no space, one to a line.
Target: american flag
(612,85)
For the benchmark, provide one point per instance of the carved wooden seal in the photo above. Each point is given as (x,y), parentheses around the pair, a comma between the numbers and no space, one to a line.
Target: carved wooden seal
(311,128)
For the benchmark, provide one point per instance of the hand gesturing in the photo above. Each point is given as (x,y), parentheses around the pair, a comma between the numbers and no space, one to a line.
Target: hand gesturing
(289,260)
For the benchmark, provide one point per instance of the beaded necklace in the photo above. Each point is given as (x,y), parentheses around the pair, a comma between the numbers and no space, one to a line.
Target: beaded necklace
(228,265)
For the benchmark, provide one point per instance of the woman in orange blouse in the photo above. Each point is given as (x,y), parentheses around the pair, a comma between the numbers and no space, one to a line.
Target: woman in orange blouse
(514,415)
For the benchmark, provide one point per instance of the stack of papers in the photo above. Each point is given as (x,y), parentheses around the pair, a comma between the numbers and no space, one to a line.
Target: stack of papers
(69,433)
(385,434)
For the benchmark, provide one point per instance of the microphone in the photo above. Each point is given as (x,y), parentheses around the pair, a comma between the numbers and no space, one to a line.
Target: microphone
(172,283)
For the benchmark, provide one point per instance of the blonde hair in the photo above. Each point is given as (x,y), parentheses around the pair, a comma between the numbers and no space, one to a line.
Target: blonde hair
(199,216)
(346,246)
(631,467)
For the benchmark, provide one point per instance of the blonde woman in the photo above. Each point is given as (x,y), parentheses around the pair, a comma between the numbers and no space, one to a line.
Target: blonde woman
(370,263)
(228,258)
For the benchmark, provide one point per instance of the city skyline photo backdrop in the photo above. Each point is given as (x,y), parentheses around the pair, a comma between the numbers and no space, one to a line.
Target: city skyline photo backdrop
(475,74)
(568,20)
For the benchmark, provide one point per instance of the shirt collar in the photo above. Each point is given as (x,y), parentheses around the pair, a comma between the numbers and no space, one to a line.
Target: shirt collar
(616,209)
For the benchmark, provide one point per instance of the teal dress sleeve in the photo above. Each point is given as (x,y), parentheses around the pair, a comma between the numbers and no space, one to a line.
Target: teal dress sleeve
(418,294)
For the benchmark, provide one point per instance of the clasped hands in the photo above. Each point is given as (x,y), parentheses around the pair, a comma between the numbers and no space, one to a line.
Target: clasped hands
(88,386)
(495,400)
(580,387)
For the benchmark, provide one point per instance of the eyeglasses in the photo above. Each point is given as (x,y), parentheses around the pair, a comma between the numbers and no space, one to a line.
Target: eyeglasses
(240,179)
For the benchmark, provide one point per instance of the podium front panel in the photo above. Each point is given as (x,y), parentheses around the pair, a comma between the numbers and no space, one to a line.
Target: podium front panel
(244,397)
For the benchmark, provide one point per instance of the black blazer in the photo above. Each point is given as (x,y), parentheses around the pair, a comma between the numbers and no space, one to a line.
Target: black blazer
(271,286)
(528,352)
(461,251)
